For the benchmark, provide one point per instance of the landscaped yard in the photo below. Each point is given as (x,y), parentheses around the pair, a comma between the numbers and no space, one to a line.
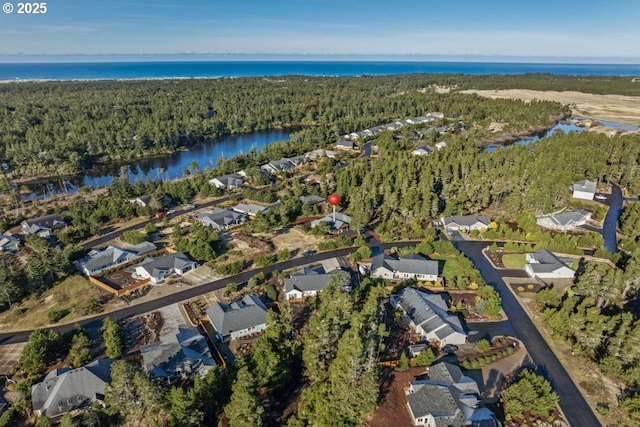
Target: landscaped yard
(514,261)
(451,269)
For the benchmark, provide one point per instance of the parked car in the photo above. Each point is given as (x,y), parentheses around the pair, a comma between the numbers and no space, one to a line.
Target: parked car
(601,197)
(171,211)
(450,349)
(308,252)
(189,207)
(160,215)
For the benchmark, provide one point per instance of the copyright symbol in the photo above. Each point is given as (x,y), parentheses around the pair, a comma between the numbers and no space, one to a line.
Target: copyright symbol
(7,8)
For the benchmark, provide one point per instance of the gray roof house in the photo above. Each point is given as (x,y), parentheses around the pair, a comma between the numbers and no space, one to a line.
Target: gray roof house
(63,390)
(221,219)
(422,151)
(182,354)
(238,319)
(543,264)
(100,260)
(564,221)
(44,225)
(227,181)
(308,282)
(345,144)
(465,223)
(412,266)
(584,189)
(251,209)
(9,243)
(284,164)
(342,221)
(158,269)
(447,399)
(141,200)
(428,316)
(312,199)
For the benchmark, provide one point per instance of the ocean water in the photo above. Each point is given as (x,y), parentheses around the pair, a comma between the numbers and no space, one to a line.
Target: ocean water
(194,69)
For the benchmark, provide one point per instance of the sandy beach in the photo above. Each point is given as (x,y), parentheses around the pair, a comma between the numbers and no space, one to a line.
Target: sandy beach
(616,108)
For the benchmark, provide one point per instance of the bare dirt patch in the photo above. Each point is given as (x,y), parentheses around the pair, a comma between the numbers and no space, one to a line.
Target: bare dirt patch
(392,409)
(294,239)
(617,108)
(142,330)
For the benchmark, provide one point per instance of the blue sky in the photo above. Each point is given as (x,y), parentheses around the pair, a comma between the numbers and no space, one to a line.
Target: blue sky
(491,28)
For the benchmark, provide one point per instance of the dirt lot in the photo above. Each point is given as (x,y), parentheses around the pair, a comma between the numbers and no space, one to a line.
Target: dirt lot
(617,108)
(142,330)
(294,239)
(392,409)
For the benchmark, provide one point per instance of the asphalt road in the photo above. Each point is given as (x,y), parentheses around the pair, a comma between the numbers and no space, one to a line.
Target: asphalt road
(113,234)
(573,404)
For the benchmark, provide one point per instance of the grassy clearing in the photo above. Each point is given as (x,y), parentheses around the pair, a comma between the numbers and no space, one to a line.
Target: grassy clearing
(71,295)
(514,261)
(451,269)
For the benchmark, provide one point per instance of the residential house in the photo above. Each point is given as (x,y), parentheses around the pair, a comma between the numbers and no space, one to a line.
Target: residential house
(251,209)
(182,354)
(319,153)
(440,145)
(230,181)
(435,115)
(97,260)
(341,222)
(8,243)
(64,390)
(427,315)
(312,200)
(393,126)
(159,268)
(285,164)
(238,319)
(222,219)
(308,282)
(142,201)
(544,264)
(422,151)
(43,226)
(584,189)
(565,221)
(447,398)
(345,144)
(412,266)
(465,223)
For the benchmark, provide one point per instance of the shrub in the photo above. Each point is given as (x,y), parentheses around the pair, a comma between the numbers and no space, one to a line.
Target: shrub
(55,315)
(271,293)
(264,260)
(483,345)
(230,288)
(520,289)
(230,268)
(133,237)
(284,254)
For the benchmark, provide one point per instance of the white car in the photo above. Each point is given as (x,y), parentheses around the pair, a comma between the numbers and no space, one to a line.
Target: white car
(172,211)
(601,197)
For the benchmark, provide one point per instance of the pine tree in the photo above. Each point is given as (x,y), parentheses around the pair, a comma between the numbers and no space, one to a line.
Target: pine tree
(244,409)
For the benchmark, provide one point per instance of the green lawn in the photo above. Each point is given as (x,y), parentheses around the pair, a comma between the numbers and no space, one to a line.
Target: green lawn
(451,269)
(514,261)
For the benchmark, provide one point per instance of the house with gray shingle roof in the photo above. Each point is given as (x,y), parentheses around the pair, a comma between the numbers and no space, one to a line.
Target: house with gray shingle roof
(97,260)
(159,268)
(182,354)
(227,181)
(544,264)
(427,315)
(412,266)
(222,219)
(65,389)
(312,199)
(465,222)
(565,221)
(447,399)
(341,223)
(345,144)
(8,243)
(584,189)
(251,209)
(422,151)
(238,319)
(43,226)
(308,282)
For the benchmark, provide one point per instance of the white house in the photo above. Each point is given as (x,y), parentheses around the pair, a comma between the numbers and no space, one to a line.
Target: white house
(43,226)
(465,222)
(584,189)
(422,151)
(447,398)
(9,243)
(565,221)
(440,145)
(427,315)
(158,269)
(251,209)
(543,264)
(307,282)
(341,223)
(412,266)
(238,319)
(230,181)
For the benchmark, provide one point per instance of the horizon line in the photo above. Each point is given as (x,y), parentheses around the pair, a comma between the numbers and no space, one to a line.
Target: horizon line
(356,57)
